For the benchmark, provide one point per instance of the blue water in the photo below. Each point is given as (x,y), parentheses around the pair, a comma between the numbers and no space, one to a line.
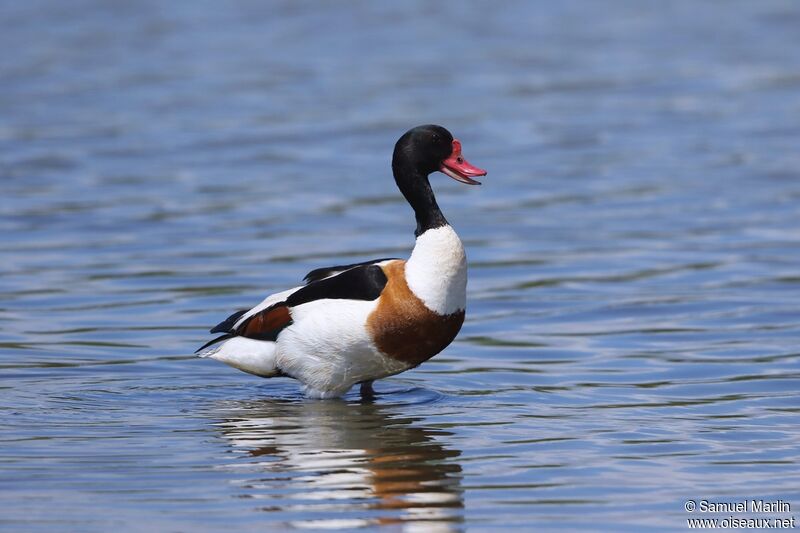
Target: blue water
(634,298)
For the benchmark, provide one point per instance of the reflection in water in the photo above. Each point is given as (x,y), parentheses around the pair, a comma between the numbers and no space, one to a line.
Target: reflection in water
(341,465)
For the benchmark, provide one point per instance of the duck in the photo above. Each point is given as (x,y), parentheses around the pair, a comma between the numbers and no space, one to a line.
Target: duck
(357,323)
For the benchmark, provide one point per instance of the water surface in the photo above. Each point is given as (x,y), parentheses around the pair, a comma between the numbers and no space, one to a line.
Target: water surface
(634,300)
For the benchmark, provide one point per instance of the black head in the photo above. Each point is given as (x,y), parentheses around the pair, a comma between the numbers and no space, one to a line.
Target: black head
(426,149)
(418,153)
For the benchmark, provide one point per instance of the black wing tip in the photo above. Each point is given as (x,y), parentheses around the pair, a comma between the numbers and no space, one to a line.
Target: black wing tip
(319,274)
(227,325)
(214,341)
(316,275)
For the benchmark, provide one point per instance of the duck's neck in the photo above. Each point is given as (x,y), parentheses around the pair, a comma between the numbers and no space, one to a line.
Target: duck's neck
(436,272)
(418,193)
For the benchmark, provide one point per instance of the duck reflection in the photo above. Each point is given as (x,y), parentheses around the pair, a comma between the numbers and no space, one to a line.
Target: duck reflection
(334,464)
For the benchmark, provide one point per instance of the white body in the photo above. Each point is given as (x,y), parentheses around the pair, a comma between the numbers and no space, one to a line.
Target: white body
(327,347)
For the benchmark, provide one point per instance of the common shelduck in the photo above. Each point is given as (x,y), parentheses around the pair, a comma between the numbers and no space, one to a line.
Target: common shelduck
(357,323)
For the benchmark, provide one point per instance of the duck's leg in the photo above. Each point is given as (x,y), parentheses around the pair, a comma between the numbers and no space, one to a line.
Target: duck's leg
(367,392)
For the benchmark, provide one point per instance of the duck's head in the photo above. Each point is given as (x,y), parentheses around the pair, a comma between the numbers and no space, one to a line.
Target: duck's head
(431,148)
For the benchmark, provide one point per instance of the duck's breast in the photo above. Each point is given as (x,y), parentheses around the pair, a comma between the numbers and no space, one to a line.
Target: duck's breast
(403,327)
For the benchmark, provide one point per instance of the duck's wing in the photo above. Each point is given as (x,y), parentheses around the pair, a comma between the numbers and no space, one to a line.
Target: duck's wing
(270,317)
(230,323)
(326,272)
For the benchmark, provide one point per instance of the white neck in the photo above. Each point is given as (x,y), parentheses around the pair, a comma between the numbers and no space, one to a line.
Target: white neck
(437,271)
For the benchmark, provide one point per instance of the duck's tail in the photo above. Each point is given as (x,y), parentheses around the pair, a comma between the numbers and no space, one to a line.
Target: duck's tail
(248,355)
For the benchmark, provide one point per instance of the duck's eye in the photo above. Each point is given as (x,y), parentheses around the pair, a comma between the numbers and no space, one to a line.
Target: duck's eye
(460,159)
